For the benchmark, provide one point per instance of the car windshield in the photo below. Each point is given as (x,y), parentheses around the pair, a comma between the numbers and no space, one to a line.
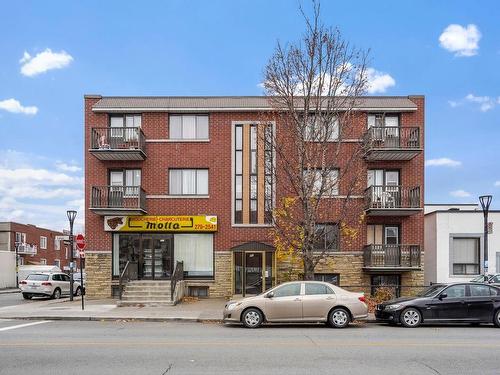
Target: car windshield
(430,291)
(38,277)
(478,279)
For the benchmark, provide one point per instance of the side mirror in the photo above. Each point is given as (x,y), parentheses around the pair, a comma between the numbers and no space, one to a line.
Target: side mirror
(270,295)
(443,295)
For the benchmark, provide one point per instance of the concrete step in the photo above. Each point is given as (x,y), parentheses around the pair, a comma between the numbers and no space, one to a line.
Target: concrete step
(148,295)
(149,282)
(145,298)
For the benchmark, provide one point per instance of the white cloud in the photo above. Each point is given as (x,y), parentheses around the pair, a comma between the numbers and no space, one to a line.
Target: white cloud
(442,162)
(14,106)
(485,103)
(460,194)
(43,61)
(33,191)
(378,82)
(463,41)
(67,167)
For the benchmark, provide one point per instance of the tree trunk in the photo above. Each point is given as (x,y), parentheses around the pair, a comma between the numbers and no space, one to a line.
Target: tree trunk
(308,268)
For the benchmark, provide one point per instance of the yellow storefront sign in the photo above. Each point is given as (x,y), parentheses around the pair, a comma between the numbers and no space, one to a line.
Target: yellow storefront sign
(199,223)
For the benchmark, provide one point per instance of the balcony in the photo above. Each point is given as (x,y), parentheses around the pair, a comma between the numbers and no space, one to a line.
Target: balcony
(392,143)
(391,258)
(26,249)
(118,143)
(118,200)
(392,200)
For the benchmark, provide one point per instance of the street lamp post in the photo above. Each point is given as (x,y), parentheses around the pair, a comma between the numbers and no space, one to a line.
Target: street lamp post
(485,201)
(71,217)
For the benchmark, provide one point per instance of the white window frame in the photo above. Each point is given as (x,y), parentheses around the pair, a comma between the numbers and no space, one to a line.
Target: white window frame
(43,261)
(185,170)
(57,262)
(312,134)
(43,242)
(318,181)
(197,125)
(479,241)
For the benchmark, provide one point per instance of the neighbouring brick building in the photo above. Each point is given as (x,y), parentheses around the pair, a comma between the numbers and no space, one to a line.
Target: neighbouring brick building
(35,245)
(183,179)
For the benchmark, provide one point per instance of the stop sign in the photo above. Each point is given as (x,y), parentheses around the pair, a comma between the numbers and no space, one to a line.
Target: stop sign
(80,242)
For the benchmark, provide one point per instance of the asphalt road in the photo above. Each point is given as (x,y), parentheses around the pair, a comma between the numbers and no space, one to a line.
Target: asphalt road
(195,348)
(13,299)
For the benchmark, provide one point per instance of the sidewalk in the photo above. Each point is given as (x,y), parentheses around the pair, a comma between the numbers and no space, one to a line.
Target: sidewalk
(9,290)
(195,311)
(203,310)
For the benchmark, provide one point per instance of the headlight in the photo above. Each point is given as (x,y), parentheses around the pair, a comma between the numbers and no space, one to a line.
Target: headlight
(393,307)
(233,305)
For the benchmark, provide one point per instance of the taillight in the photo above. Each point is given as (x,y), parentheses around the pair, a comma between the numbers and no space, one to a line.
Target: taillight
(47,284)
(23,282)
(362,299)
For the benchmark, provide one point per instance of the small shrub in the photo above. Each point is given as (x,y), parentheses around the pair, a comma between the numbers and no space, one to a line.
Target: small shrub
(382,294)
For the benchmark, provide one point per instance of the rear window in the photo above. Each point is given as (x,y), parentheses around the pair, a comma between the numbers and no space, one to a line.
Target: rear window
(38,277)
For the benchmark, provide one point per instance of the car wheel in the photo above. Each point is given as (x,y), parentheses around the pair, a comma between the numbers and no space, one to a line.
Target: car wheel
(27,296)
(497,318)
(78,291)
(339,318)
(252,318)
(56,294)
(411,318)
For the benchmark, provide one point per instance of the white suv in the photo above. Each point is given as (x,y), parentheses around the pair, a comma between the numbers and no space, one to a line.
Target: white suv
(52,285)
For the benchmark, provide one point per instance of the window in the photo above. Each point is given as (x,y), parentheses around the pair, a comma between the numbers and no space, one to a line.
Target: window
(126,182)
(188,182)
(382,234)
(391,282)
(455,291)
(322,130)
(465,256)
(314,288)
(381,119)
(332,278)
(326,237)
(323,182)
(124,127)
(20,238)
(43,242)
(479,290)
(57,263)
(197,253)
(188,127)
(37,277)
(287,290)
(57,277)
(57,245)
(43,261)
(495,291)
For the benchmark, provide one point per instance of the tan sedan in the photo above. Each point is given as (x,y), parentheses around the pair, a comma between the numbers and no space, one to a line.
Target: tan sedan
(298,301)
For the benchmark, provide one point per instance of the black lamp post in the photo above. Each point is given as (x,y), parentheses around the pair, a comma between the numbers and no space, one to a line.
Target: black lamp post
(485,201)
(71,217)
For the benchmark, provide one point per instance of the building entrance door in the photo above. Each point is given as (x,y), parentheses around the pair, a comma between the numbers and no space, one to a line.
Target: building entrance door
(155,261)
(253,272)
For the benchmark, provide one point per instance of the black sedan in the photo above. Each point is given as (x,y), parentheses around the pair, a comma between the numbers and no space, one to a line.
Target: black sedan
(451,303)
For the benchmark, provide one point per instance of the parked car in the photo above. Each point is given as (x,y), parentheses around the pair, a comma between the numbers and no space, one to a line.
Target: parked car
(52,285)
(298,301)
(451,303)
(492,279)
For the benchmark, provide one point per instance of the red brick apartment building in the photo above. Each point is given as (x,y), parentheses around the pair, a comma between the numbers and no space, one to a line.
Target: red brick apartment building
(35,245)
(172,179)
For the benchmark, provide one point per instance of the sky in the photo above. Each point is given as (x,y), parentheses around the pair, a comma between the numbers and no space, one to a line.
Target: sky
(52,53)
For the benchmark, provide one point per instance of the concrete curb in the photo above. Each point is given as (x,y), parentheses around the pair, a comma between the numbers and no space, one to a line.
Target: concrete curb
(6,291)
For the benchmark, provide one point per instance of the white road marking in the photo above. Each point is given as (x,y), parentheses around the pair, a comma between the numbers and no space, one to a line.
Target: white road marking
(23,325)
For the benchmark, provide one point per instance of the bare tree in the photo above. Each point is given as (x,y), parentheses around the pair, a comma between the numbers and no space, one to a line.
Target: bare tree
(313,86)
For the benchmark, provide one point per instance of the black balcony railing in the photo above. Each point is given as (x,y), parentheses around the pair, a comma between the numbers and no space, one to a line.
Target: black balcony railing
(392,256)
(118,197)
(393,137)
(392,196)
(109,138)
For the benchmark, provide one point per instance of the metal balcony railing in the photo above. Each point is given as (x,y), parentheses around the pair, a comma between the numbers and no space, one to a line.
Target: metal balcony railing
(392,197)
(118,197)
(117,138)
(393,137)
(24,248)
(392,256)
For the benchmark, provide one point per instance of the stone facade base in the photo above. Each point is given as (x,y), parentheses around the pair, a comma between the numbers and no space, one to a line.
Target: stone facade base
(98,270)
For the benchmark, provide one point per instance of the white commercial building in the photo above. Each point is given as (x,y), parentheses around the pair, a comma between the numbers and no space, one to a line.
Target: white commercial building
(454,242)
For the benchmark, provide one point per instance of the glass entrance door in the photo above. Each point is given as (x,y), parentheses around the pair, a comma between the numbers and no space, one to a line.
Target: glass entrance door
(253,272)
(155,261)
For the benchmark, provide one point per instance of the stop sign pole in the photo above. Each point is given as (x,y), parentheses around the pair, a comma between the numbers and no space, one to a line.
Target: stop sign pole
(80,243)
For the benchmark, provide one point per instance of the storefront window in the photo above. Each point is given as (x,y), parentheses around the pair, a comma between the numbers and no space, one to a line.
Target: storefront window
(197,253)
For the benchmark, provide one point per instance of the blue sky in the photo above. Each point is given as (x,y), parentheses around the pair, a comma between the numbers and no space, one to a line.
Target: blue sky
(220,48)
